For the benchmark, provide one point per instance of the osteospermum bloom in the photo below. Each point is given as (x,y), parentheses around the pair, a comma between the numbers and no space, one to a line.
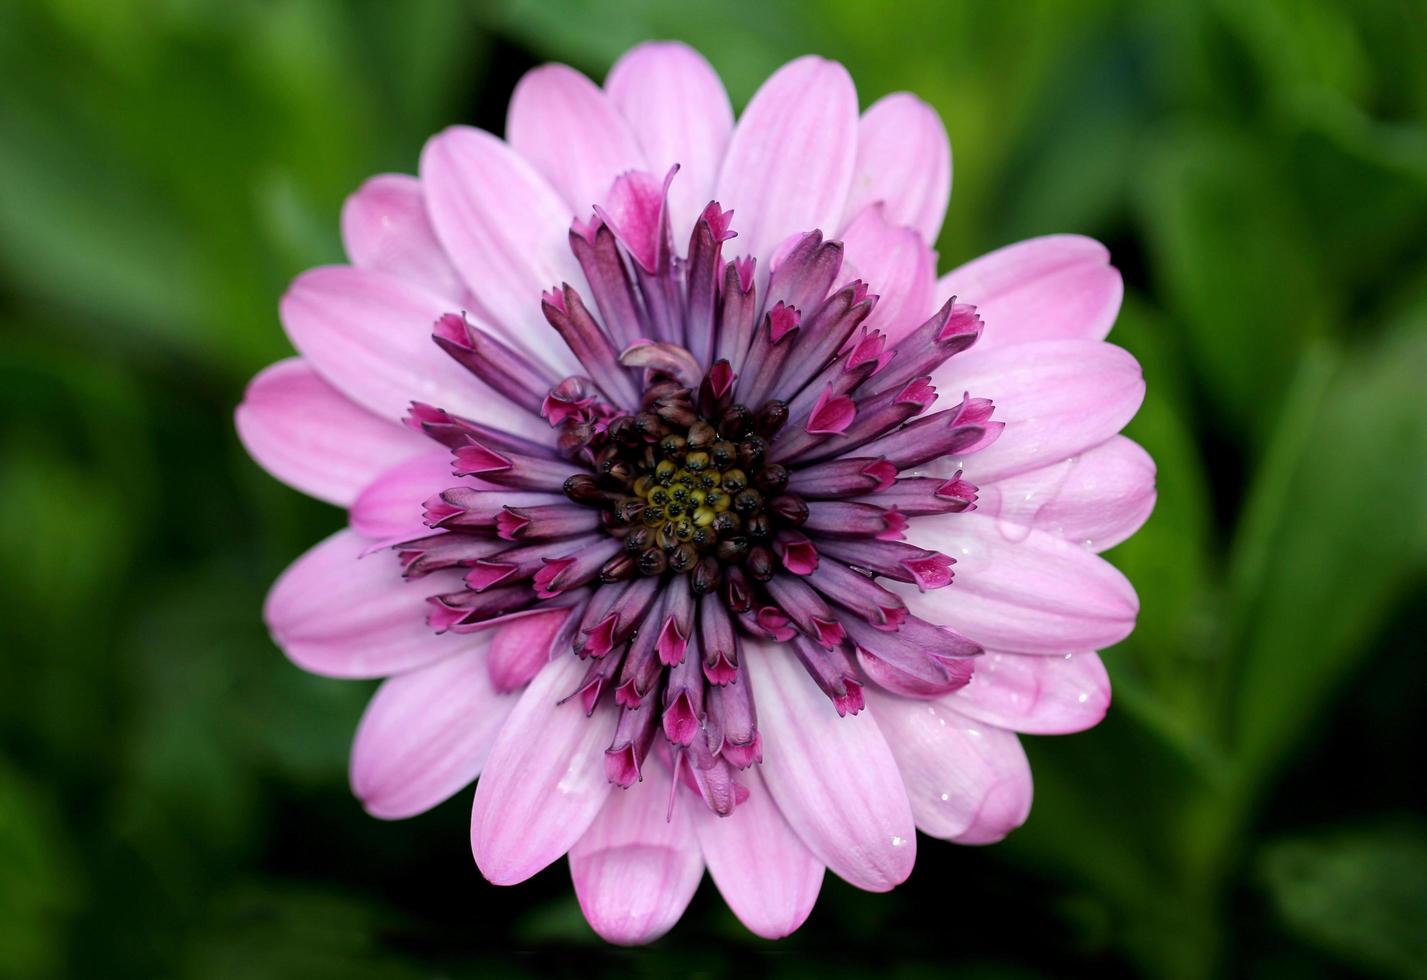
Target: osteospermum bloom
(688,509)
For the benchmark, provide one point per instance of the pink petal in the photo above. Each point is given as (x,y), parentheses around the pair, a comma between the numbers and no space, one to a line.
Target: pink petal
(638,865)
(765,873)
(1022,589)
(968,782)
(833,778)
(391,505)
(903,160)
(1036,695)
(337,613)
(633,208)
(789,163)
(369,334)
(425,735)
(507,233)
(385,229)
(896,264)
(1056,287)
(544,782)
(831,413)
(308,435)
(523,646)
(679,112)
(1058,398)
(1097,499)
(565,125)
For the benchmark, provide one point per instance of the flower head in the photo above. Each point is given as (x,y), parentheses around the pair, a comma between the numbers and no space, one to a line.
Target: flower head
(687,510)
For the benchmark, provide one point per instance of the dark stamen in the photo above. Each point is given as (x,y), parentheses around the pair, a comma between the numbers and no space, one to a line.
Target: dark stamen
(687,492)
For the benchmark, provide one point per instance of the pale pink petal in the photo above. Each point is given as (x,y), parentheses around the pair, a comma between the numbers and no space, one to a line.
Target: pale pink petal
(337,612)
(507,233)
(968,782)
(789,163)
(762,868)
(638,865)
(391,505)
(1021,589)
(568,128)
(1059,286)
(544,781)
(679,112)
(308,435)
(895,264)
(903,160)
(426,734)
(385,228)
(1036,695)
(1097,499)
(369,334)
(833,778)
(1058,398)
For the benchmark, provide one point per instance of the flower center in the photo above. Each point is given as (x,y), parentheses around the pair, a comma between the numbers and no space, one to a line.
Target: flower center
(734,457)
(690,491)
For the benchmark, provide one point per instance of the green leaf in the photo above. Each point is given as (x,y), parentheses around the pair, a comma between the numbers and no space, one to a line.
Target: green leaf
(1358,894)
(272,930)
(76,484)
(1371,176)
(1334,534)
(1370,52)
(1107,817)
(38,887)
(1234,254)
(1162,671)
(161,183)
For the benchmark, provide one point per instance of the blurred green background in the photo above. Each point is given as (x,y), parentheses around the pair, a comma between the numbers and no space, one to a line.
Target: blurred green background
(173,797)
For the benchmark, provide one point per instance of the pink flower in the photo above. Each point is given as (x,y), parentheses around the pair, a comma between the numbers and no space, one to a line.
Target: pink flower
(688,509)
